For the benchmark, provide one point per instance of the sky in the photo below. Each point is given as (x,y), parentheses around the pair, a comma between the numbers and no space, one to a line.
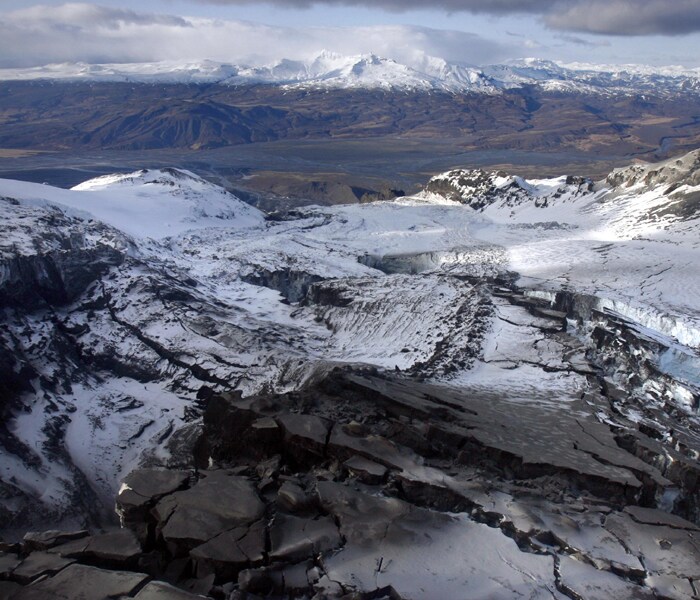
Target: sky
(468,32)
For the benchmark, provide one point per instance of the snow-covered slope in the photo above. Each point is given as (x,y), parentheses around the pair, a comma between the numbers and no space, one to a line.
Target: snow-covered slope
(331,70)
(149,203)
(130,295)
(630,239)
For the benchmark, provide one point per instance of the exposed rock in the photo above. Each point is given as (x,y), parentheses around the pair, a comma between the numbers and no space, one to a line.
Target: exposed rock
(374,447)
(293,285)
(478,188)
(140,491)
(433,481)
(219,501)
(293,538)
(9,590)
(146,485)
(366,470)
(158,590)
(304,436)
(296,577)
(230,552)
(117,549)
(80,582)
(8,563)
(43,540)
(233,418)
(38,564)
(579,580)
(266,428)
(664,550)
(54,278)
(269,469)
(292,498)
(263,581)
(200,587)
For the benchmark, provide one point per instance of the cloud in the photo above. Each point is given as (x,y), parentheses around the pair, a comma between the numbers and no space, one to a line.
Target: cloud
(482,6)
(613,17)
(81,32)
(577,41)
(628,17)
(84,15)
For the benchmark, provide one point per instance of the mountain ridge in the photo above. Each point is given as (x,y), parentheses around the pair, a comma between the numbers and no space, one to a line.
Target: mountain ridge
(331,70)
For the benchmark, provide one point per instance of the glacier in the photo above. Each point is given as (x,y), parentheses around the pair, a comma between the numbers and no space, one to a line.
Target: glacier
(562,303)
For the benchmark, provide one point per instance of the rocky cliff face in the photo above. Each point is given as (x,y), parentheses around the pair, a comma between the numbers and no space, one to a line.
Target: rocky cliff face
(478,189)
(55,278)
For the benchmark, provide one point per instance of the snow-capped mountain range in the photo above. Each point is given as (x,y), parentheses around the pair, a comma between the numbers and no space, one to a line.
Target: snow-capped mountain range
(330,70)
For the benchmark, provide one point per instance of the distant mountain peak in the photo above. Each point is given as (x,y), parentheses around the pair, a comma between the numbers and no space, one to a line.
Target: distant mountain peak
(329,69)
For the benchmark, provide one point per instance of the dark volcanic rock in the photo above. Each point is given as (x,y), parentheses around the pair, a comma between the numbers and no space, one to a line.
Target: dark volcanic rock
(8,563)
(292,498)
(230,552)
(43,540)
(305,436)
(54,278)
(217,502)
(371,486)
(366,470)
(117,549)
(140,491)
(9,590)
(234,428)
(38,564)
(158,590)
(80,582)
(294,538)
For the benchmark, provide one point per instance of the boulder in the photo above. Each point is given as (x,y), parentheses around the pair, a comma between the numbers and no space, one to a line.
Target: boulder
(140,491)
(8,563)
(305,437)
(43,540)
(158,590)
(217,503)
(141,488)
(235,427)
(230,552)
(366,470)
(9,590)
(294,538)
(80,582)
(292,498)
(38,564)
(117,549)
